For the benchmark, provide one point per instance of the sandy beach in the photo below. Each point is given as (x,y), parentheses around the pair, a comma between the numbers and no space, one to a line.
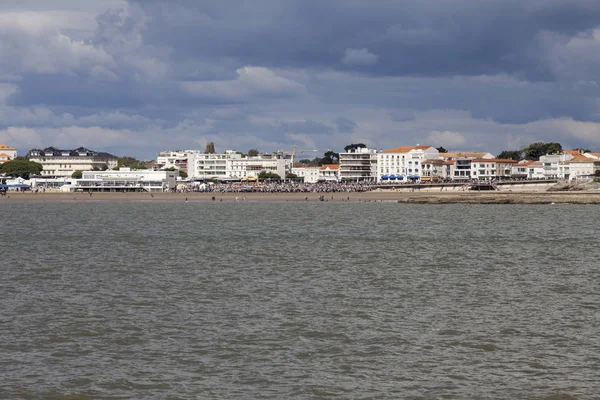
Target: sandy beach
(580,197)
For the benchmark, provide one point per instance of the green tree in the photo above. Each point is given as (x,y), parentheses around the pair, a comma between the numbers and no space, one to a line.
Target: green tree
(516,155)
(535,150)
(21,168)
(313,163)
(330,157)
(78,174)
(253,152)
(268,175)
(441,149)
(130,162)
(290,175)
(183,174)
(353,146)
(210,148)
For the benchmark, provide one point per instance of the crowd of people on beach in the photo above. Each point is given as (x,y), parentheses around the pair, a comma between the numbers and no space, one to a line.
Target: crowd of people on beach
(288,187)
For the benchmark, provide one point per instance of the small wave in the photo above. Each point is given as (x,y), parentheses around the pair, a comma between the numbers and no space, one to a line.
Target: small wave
(557,396)
(66,396)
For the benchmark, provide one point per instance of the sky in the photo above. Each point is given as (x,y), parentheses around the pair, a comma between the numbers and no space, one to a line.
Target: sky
(135,77)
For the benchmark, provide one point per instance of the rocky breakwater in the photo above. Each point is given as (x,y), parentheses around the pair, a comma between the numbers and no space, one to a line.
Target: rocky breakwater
(507,198)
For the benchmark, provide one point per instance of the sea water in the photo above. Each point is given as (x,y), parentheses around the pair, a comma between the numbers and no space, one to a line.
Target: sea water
(173,300)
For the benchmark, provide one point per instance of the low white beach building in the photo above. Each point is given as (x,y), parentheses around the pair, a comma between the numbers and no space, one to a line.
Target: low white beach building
(126,180)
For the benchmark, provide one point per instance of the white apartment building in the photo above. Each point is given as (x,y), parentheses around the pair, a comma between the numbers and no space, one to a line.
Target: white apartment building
(536,170)
(7,153)
(310,174)
(435,170)
(172,159)
(564,170)
(491,168)
(403,163)
(582,167)
(521,169)
(231,165)
(62,163)
(461,166)
(210,166)
(551,163)
(329,173)
(126,180)
(275,163)
(359,164)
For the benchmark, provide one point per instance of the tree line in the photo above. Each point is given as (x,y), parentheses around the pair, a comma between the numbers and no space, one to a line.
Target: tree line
(535,150)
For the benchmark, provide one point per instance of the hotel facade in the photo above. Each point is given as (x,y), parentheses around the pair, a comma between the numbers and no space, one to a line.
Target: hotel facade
(59,163)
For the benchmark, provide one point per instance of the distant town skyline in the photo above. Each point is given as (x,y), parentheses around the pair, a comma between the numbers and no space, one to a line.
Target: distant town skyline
(133,77)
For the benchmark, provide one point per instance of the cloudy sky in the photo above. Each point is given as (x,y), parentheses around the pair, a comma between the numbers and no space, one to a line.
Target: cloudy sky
(134,77)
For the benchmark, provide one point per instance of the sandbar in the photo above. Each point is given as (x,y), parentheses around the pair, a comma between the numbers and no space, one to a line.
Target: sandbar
(467,197)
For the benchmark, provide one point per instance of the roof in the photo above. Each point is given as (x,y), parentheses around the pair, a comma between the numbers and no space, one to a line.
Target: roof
(4,155)
(80,151)
(464,154)
(593,154)
(405,149)
(524,162)
(5,147)
(330,166)
(583,159)
(432,162)
(574,153)
(496,160)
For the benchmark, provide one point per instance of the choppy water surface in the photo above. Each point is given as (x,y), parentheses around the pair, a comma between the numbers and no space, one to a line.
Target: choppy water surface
(143,300)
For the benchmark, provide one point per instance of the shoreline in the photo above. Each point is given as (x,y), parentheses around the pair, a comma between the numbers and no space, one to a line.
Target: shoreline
(580,197)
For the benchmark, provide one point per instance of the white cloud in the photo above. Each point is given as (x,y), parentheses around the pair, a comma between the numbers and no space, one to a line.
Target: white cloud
(304,141)
(6,90)
(21,138)
(446,138)
(251,81)
(572,57)
(34,43)
(586,131)
(359,57)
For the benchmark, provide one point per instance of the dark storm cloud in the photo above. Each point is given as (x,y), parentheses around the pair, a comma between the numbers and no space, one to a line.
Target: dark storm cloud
(274,73)
(344,125)
(415,37)
(307,126)
(69,90)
